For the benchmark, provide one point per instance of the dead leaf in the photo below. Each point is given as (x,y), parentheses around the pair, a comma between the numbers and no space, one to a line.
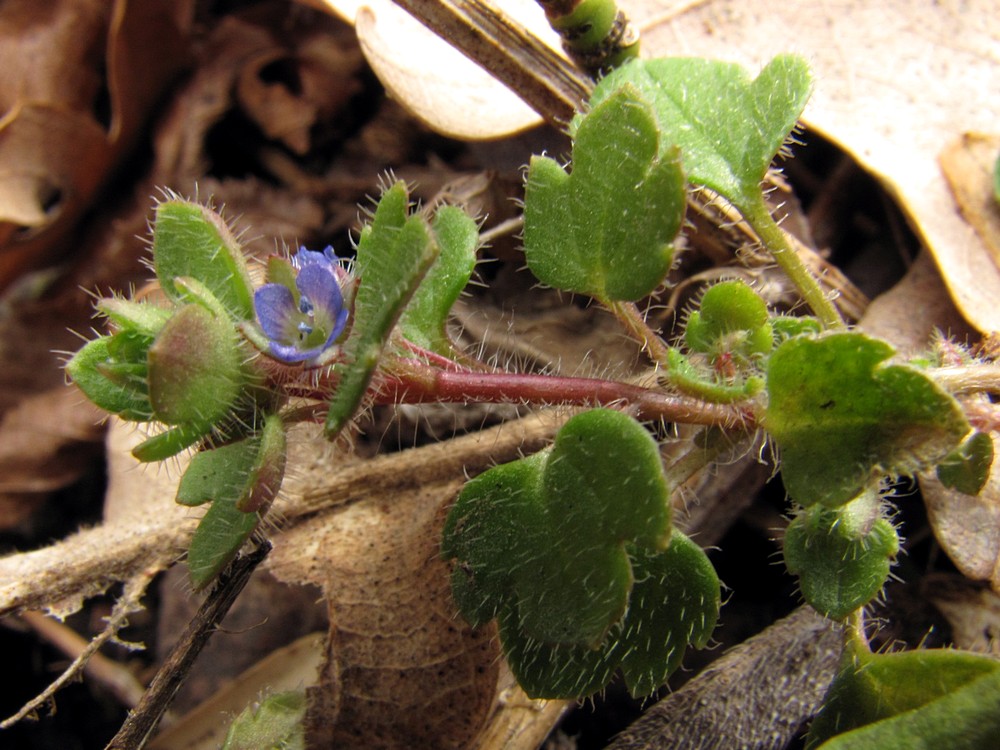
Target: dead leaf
(968,165)
(968,526)
(403,669)
(435,82)
(972,610)
(895,82)
(68,117)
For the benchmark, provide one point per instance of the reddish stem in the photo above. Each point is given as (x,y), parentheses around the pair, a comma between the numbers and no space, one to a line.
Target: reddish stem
(424,384)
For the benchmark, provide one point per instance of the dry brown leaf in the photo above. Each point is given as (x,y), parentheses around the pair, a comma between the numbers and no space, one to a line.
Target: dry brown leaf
(968,526)
(972,610)
(403,669)
(895,83)
(968,165)
(68,117)
(436,83)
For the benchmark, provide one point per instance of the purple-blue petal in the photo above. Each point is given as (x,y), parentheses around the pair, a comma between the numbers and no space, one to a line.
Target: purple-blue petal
(292,354)
(319,284)
(275,306)
(304,257)
(338,328)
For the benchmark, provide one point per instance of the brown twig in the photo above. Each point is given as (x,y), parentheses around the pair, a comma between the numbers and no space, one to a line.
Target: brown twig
(141,722)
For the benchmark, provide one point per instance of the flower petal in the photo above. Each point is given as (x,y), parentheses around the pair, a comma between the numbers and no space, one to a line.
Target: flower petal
(318,283)
(304,257)
(276,313)
(292,354)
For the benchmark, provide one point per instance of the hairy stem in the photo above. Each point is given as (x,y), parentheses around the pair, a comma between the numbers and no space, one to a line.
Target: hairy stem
(759,217)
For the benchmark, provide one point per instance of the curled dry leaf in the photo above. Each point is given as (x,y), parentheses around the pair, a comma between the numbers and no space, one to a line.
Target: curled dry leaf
(442,87)
(968,164)
(68,117)
(403,669)
(968,526)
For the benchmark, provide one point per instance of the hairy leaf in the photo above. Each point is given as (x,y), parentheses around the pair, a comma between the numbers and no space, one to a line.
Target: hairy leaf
(606,228)
(395,252)
(843,416)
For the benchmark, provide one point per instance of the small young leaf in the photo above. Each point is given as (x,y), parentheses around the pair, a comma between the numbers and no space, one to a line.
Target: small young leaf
(727,126)
(394,253)
(967,468)
(195,368)
(139,317)
(606,228)
(169,443)
(842,562)
(913,699)
(277,723)
(423,321)
(731,317)
(193,241)
(842,416)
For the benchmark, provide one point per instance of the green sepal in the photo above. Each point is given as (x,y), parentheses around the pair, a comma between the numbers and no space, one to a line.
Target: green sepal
(276,723)
(728,127)
(93,369)
(196,368)
(685,377)
(220,534)
(139,317)
(424,319)
(193,241)
(914,699)
(169,443)
(843,416)
(395,252)
(606,228)
(841,556)
(967,468)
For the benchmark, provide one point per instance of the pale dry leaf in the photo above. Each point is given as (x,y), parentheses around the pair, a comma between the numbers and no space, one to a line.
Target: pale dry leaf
(403,669)
(435,82)
(895,83)
(292,667)
(967,526)
(972,611)
(968,165)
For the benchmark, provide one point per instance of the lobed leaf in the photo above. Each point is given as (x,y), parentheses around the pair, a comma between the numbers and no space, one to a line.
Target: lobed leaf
(913,699)
(559,545)
(840,566)
(967,469)
(728,127)
(276,722)
(843,416)
(606,228)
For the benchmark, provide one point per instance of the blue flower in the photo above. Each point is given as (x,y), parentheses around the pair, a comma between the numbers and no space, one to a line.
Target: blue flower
(303,323)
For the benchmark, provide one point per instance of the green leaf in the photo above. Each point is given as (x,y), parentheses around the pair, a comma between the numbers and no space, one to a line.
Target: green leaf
(843,417)
(915,699)
(423,321)
(126,397)
(556,547)
(195,368)
(277,723)
(967,468)
(728,127)
(394,253)
(675,602)
(731,318)
(190,240)
(841,556)
(605,229)
(219,536)
(169,443)
(139,317)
